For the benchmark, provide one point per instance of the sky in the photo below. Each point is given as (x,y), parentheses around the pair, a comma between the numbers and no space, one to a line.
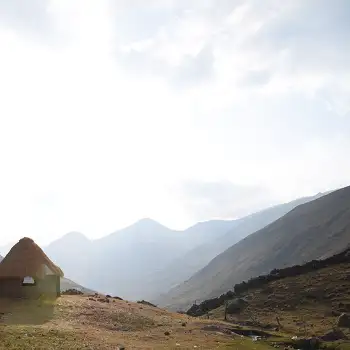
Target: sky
(181,111)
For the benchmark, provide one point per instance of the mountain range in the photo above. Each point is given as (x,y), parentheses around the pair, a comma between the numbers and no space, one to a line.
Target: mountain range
(173,268)
(124,262)
(183,268)
(312,230)
(147,259)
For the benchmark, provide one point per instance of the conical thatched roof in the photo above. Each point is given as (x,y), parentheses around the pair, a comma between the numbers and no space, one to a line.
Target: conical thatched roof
(27,259)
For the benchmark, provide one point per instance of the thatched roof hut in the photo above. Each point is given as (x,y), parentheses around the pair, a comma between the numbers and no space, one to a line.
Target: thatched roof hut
(27,259)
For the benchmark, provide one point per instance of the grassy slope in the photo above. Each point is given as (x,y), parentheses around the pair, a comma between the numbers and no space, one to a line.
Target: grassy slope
(307,303)
(77,322)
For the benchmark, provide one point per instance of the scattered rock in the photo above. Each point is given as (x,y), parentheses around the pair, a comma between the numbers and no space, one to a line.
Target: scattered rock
(103,300)
(183,324)
(108,296)
(167,333)
(144,302)
(117,298)
(120,347)
(308,343)
(344,321)
(72,291)
(333,335)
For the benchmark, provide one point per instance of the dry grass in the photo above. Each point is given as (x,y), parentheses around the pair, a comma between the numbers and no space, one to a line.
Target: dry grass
(80,322)
(306,305)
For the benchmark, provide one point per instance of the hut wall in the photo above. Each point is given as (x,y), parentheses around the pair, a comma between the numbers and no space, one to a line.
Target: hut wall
(13,288)
(10,288)
(31,292)
(50,286)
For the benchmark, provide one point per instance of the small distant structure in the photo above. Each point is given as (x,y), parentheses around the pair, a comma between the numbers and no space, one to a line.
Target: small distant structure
(27,272)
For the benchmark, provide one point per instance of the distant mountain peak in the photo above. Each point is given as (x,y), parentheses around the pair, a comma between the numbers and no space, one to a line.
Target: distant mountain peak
(75,234)
(147,220)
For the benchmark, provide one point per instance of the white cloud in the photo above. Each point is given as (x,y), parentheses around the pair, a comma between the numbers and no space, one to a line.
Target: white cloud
(108,106)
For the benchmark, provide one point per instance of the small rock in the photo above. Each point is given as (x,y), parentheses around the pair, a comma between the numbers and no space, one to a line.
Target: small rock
(167,333)
(183,324)
(333,335)
(120,347)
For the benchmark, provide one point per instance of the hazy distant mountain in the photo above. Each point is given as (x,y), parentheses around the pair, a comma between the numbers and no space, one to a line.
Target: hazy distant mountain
(6,248)
(73,253)
(1,257)
(124,262)
(147,259)
(69,284)
(178,270)
(313,230)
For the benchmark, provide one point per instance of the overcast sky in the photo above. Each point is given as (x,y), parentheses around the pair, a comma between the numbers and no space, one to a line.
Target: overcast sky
(111,111)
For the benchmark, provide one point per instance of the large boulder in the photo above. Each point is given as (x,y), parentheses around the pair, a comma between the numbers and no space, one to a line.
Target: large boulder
(333,335)
(344,321)
(308,343)
(236,306)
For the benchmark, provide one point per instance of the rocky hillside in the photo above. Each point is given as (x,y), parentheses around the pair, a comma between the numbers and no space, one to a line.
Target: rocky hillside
(313,230)
(262,282)
(310,303)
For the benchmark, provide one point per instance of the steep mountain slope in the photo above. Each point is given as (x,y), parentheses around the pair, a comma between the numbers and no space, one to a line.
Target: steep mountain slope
(310,231)
(1,257)
(208,231)
(194,260)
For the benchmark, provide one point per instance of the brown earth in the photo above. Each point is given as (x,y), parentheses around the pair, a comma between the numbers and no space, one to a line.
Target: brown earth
(97,322)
